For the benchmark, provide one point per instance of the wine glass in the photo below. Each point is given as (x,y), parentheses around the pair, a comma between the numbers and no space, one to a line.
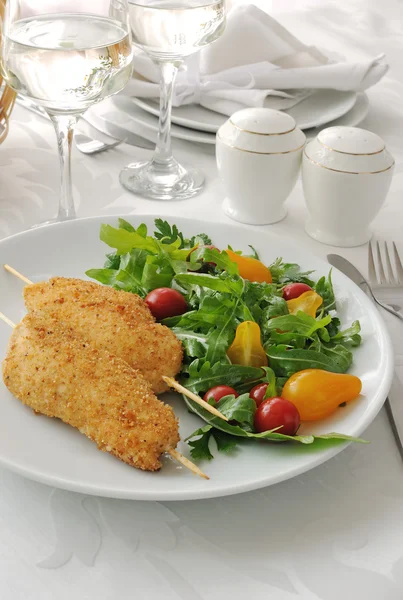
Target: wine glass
(169,31)
(66,55)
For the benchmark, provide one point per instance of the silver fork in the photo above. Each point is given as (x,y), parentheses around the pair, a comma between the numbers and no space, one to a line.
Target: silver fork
(385,275)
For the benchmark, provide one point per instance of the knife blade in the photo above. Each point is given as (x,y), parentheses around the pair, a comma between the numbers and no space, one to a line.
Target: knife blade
(394,400)
(354,274)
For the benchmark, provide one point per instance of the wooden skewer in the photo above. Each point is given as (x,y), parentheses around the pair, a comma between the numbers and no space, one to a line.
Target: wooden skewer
(7,320)
(187,463)
(17,274)
(179,388)
(174,453)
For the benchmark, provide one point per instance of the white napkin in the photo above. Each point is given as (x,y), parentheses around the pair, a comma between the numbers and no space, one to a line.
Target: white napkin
(252,64)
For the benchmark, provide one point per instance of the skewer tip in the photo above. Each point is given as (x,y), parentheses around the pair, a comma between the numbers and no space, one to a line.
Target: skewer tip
(187,463)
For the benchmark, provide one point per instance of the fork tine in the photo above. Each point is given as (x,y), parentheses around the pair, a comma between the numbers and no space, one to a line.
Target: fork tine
(382,276)
(371,265)
(389,268)
(398,262)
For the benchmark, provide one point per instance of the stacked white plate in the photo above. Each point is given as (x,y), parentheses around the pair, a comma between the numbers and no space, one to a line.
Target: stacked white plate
(324,108)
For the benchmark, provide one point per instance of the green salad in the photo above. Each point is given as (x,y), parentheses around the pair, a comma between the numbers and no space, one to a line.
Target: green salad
(222,304)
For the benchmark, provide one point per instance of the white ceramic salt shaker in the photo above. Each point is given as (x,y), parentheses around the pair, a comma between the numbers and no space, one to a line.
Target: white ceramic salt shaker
(259,153)
(346,175)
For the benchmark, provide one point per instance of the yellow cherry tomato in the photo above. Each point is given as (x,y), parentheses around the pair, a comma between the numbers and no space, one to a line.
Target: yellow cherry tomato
(317,393)
(250,268)
(247,349)
(308,302)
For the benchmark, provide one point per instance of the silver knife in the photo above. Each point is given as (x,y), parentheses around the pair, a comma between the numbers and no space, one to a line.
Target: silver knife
(394,401)
(118,133)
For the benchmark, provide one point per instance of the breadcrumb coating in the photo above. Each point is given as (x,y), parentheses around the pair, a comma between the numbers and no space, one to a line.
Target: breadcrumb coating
(117,321)
(55,372)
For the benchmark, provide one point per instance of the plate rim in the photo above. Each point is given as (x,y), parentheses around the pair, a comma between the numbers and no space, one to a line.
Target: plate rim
(144,104)
(197,494)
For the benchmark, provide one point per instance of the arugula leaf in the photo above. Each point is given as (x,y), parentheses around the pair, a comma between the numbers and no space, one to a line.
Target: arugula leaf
(156,273)
(333,327)
(105,276)
(124,241)
(220,259)
(285,362)
(324,287)
(254,253)
(200,446)
(277,307)
(219,284)
(241,408)
(225,442)
(112,261)
(142,230)
(195,344)
(203,376)
(300,323)
(123,224)
(270,377)
(284,273)
(222,337)
(350,336)
(131,271)
(340,356)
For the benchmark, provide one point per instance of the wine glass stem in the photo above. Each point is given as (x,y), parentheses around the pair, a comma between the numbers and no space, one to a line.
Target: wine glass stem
(163,152)
(64,126)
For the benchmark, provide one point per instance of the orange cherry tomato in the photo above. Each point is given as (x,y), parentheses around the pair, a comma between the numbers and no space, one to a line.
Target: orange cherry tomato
(308,302)
(247,349)
(317,393)
(250,268)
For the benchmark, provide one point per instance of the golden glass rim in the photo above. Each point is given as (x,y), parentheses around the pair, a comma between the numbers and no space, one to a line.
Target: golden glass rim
(348,172)
(351,153)
(263,134)
(256,152)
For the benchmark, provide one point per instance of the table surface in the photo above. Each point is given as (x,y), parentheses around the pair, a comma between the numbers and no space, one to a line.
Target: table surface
(334,532)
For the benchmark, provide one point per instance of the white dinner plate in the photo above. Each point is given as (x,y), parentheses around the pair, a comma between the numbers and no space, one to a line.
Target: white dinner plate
(350,119)
(122,113)
(120,116)
(318,109)
(53,453)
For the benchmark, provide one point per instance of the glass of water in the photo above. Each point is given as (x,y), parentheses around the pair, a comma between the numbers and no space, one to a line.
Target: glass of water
(169,31)
(66,55)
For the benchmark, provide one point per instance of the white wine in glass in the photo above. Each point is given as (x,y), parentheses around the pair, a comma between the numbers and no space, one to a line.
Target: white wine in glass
(66,59)
(169,31)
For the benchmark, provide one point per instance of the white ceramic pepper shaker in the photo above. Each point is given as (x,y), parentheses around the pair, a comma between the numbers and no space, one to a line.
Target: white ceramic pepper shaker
(259,153)
(346,175)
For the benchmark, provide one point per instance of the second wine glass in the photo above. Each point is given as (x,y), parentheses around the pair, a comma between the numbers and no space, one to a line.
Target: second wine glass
(169,31)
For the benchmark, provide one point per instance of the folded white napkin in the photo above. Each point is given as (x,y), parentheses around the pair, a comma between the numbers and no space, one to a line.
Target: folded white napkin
(252,64)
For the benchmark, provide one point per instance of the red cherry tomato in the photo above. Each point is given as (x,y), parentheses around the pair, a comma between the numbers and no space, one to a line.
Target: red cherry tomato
(165,302)
(258,392)
(219,391)
(294,290)
(277,412)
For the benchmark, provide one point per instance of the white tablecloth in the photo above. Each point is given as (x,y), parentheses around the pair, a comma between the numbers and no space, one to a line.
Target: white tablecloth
(335,532)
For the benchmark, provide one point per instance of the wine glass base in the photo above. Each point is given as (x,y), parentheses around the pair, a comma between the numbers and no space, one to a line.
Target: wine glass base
(177,183)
